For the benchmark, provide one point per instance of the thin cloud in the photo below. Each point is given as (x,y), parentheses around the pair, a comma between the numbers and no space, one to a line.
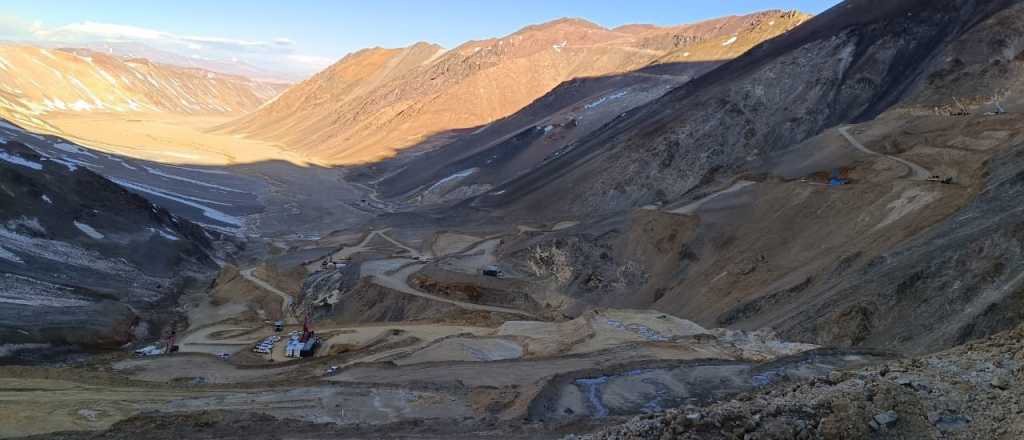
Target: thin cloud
(280,53)
(101,30)
(90,30)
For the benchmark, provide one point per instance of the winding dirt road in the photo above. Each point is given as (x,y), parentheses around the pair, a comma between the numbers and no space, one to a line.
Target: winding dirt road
(398,281)
(286,299)
(364,245)
(394,273)
(918,172)
(692,207)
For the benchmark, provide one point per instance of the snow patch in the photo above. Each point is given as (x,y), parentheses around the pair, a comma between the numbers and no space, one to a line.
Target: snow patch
(46,199)
(603,99)
(207,211)
(456,176)
(165,234)
(7,157)
(75,149)
(81,106)
(59,251)
(73,164)
(120,161)
(23,222)
(54,104)
(106,76)
(88,230)
(9,256)
(192,181)
(558,47)
(198,170)
(730,41)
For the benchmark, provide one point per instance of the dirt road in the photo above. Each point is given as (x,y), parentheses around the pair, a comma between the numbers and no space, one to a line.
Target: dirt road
(918,172)
(393,273)
(692,207)
(286,299)
(398,281)
(364,245)
(383,234)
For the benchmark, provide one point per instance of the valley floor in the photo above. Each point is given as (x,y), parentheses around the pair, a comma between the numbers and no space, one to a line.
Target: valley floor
(167,138)
(438,326)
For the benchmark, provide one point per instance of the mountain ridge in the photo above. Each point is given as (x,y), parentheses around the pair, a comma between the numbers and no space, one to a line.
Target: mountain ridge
(423,90)
(35,81)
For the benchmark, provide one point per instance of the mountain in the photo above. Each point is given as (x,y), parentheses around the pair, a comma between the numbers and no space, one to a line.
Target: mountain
(376,102)
(712,195)
(794,228)
(473,163)
(824,73)
(35,82)
(82,260)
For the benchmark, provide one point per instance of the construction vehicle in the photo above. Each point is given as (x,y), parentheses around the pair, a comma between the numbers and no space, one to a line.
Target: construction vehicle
(309,340)
(940,179)
(839,177)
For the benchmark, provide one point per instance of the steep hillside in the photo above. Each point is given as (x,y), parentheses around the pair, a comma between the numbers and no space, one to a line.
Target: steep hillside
(846,65)
(735,164)
(473,163)
(36,82)
(375,102)
(82,260)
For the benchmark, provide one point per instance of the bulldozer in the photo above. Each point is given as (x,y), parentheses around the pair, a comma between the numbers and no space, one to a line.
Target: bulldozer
(942,180)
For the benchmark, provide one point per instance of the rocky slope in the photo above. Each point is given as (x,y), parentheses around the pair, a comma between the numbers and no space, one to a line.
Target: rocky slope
(880,263)
(82,260)
(378,101)
(972,391)
(473,163)
(35,82)
(848,64)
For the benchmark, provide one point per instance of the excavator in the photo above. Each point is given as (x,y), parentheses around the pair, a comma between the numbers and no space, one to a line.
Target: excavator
(840,177)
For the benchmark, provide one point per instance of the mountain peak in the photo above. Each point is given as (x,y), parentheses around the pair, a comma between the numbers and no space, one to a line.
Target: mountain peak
(565,22)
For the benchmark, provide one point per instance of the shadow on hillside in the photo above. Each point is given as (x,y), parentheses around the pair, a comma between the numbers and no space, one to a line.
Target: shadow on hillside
(313,199)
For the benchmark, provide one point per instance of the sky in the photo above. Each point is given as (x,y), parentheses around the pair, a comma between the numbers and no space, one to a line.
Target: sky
(303,36)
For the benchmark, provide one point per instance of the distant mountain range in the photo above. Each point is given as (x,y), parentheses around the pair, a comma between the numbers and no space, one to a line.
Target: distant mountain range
(376,102)
(36,81)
